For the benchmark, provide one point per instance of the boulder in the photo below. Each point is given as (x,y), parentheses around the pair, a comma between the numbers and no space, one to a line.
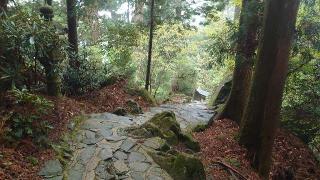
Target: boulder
(180,166)
(165,126)
(133,107)
(222,92)
(120,111)
(156,143)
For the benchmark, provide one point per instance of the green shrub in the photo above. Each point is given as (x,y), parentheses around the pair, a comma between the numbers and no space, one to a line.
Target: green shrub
(90,75)
(25,117)
(26,42)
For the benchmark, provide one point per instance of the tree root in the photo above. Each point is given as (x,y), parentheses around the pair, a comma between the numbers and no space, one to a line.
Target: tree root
(230,169)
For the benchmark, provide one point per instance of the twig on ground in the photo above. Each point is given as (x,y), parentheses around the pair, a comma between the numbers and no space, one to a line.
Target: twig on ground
(230,169)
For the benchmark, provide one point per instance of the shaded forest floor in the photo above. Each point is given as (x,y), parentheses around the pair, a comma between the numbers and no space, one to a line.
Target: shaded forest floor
(220,151)
(223,157)
(23,159)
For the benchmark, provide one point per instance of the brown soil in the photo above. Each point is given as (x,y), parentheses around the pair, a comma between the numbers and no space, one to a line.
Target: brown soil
(220,152)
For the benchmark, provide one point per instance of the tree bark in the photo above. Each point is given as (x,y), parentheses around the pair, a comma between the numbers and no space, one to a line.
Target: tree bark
(148,74)
(48,2)
(138,12)
(72,34)
(3,9)
(3,5)
(261,116)
(246,47)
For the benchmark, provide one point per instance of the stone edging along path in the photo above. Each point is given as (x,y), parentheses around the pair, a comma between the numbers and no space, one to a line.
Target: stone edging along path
(102,150)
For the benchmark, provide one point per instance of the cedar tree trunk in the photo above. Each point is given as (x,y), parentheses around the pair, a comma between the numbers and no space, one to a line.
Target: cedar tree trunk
(261,116)
(246,48)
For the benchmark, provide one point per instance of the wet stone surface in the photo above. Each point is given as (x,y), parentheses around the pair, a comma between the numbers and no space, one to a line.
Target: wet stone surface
(102,150)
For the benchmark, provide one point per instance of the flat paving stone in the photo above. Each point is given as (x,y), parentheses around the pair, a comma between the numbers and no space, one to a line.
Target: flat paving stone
(121,167)
(86,154)
(137,175)
(51,168)
(127,144)
(105,133)
(101,172)
(76,172)
(154,177)
(139,166)
(136,157)
(106,153)
(120,155)
(91,137)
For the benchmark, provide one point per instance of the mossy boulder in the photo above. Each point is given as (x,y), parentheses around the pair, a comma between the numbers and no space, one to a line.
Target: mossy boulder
(165,126)
(180,166)
(156,143)
(133,107)
(120,111)
(188,140)
(221,93)
(142,93)
(199,128)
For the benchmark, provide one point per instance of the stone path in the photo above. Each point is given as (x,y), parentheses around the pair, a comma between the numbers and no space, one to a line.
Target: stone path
(104,151)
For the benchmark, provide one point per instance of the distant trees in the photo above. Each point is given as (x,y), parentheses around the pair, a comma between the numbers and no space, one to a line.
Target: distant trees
(261,115)
(138,16)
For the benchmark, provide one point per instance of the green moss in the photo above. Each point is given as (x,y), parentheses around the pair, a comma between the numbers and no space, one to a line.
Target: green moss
(133,107)
(190,142)
(233,162)
(142,93)
(33,160)
(62,149)
(165,126)
(180,166)
(199,128)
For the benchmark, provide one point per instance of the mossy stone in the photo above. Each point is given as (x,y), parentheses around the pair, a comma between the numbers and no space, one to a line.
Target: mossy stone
(165,126)
(180,166)
(190,142)
(133,107)
(199,128)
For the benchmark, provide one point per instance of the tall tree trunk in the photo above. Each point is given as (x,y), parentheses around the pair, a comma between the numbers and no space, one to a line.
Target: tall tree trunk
(3,5)
(72,34)
(48,2)
(148,74)
(246,47)
(261,116)
(138,12)
(3,9)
